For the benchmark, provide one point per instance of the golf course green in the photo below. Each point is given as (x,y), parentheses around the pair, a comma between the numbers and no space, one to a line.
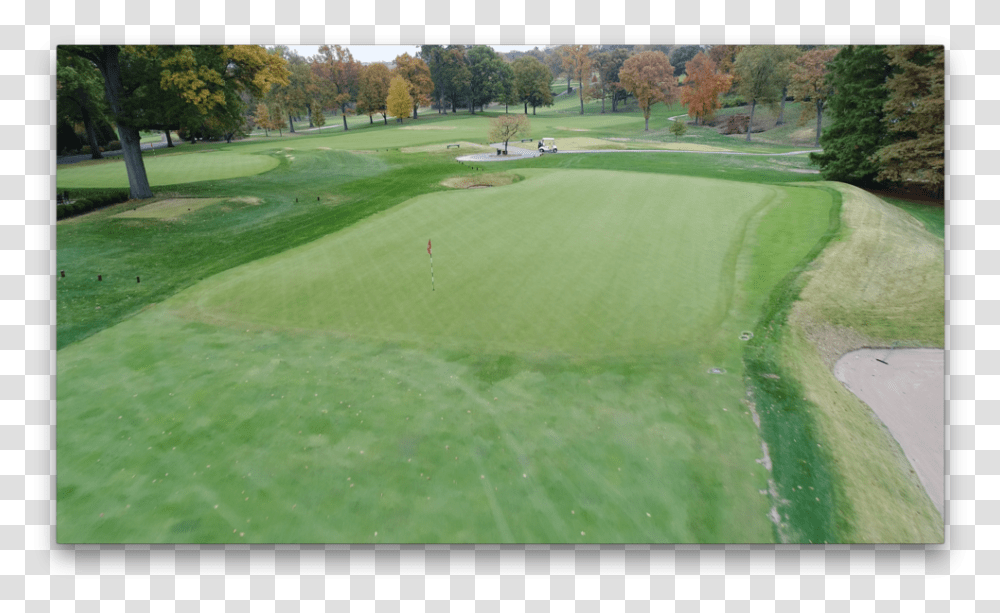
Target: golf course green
(587,366)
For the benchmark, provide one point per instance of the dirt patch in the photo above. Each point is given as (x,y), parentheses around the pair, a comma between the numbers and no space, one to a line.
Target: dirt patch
(324,148)
(246,200)
(905,389)
(572,129)
(428,128)
(493,179)
(170,208)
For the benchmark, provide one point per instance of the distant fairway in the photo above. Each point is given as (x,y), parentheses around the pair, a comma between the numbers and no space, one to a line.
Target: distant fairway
(167,169)
(555,386)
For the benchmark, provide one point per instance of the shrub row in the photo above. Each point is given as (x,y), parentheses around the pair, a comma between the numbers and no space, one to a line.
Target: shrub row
(91,200)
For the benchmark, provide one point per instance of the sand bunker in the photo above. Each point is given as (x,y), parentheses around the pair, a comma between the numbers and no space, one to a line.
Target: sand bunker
(492,179)
(905,389)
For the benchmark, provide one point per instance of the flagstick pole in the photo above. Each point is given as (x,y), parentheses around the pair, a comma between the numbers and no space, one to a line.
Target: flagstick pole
(431,255)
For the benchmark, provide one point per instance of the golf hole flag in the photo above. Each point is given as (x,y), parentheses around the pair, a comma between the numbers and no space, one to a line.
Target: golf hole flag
(431,256)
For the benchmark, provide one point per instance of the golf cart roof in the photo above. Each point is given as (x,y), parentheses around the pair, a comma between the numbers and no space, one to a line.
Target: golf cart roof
(548,139)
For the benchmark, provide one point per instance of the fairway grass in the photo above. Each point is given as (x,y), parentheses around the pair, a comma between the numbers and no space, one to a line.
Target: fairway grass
(554,387)
(167,169)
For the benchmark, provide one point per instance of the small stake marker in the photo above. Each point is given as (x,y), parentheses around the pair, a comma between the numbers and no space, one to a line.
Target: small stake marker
(62,273)
(137,280)
(99,277)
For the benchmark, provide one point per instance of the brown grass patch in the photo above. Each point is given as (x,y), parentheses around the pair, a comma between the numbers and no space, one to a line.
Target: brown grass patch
(246,200)
(492,179)
(169,208)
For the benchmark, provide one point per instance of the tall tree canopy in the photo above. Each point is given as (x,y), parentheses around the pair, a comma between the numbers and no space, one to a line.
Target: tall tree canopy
(487,74)
(532,82)
(914,113)
(418,75)
(607,63)
(650,78)
(345,71)
(373,90)
(810,79)
(858,75)
(80,96)
(757,70)
(577,63)
(702,88)
(192,80)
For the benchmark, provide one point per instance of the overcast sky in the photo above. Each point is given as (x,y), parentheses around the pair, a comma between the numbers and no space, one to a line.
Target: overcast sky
(387,53)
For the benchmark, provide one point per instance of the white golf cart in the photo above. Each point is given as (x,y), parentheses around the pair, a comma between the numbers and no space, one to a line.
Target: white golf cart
(547,145)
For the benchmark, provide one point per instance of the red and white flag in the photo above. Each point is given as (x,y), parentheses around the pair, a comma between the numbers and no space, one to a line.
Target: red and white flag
(428,246)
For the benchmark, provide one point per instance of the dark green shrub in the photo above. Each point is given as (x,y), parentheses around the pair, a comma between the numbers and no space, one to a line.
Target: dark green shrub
(85,201)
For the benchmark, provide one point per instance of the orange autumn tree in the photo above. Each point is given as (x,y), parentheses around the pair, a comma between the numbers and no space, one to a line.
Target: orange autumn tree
(650,78)
(702,88)
(810,81)
(577,63)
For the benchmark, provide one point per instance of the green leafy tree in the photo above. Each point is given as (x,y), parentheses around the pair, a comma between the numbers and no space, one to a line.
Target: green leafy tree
(532,83)
(757,77)
(650,78)
(80,96)
(607,63)
(858,75)
(678,129)
(914,114)
(680,56)
(487,75)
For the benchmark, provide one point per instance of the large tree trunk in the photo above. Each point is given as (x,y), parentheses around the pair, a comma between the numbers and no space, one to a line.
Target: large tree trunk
(170,142)
(385,119)
(415,105)
(819,120)
(110,69)
(291,125)
(753,107)
(88,123)
(581,97)
(525,108)
(646,115)
(781,113)
(343,113)
(309,113)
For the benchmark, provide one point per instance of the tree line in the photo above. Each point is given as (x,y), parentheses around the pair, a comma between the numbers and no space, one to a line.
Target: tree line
(888,101)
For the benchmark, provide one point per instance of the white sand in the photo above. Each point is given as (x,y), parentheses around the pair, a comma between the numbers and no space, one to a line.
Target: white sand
(907,394)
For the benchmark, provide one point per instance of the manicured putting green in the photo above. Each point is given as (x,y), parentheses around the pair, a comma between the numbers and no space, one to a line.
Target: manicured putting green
(167,169)
(567,262)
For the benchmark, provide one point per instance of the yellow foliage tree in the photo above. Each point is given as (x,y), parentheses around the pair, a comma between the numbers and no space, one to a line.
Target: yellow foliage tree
(399,103)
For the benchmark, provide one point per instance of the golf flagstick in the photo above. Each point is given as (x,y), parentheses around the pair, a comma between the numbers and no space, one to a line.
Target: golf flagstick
(432,263)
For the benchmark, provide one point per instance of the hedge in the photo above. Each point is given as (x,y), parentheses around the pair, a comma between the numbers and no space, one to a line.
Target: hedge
(91,200)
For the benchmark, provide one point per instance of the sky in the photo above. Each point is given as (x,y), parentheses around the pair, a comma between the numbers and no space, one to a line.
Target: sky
(387,53)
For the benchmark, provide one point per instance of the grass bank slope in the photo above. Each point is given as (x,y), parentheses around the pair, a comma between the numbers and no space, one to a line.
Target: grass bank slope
(881,283)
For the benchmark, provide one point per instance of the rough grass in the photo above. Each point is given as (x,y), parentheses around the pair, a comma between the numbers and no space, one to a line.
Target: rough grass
(883,282)
(167,169)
